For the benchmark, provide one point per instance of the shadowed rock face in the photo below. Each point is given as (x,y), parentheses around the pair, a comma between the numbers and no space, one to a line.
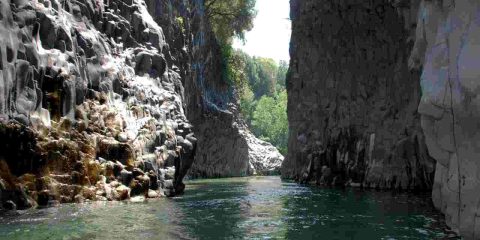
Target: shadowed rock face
(382,93)
(353,101)
(225,147)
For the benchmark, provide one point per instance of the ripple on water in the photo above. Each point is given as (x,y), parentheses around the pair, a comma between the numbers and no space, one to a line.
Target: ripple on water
(238,208)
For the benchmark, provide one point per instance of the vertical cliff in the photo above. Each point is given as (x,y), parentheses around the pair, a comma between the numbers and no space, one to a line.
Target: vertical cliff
(106,100)
(225,146)
(448,44)
(383,94)
(353,101)
(91,101)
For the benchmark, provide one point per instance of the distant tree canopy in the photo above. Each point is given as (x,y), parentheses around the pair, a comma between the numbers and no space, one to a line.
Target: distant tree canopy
(260,84)
(230,18)
(270,121)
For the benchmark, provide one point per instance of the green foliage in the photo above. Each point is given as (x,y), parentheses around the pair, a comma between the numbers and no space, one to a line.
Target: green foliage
(265,77)
(260,82)
(281,75)
(262,74)
(270,120)
(230,18)
(180,23)
(247,104)
(260,85)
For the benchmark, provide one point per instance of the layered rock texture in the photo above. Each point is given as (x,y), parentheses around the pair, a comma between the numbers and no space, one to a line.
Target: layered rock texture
(383,94)
(106,100)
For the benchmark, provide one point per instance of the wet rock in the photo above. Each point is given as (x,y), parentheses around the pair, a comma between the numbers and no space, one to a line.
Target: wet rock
(43,197)
(170,160)
(113,150)
(137,172)
(326,178)
(77,178)
(153,180)
(123,192)
(126,177)
(79,198)
(152,194)
(150,63)
(122,137)
(136,188)
(10,205)
(169,188)
(117,168)
(170,173)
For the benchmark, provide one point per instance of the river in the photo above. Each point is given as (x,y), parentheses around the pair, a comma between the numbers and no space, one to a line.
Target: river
(238,208)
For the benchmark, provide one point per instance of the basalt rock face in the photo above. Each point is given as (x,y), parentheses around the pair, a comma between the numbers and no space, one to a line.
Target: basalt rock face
(353,100)
(91,102)
(381,90)
(226,148)
(106,100)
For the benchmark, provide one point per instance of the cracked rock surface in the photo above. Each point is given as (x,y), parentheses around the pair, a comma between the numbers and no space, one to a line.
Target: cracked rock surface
(448,41)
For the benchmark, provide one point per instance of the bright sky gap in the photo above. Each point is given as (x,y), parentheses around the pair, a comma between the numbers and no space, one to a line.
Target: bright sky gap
(270,36)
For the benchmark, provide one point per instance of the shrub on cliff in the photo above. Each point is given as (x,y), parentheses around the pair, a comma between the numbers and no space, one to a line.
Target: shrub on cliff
(230,18)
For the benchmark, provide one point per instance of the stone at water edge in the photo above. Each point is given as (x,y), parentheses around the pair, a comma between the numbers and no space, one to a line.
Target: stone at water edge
(152,194)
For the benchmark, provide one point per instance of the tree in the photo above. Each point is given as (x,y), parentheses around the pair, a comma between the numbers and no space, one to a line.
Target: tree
(230,18)
(267,77)
(281,75)
(270,120)
(247,105)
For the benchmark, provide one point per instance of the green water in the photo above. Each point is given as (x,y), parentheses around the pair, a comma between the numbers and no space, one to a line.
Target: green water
(237,208)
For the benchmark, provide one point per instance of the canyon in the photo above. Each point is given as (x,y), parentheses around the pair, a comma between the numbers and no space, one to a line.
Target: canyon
(114,100)
(383,94)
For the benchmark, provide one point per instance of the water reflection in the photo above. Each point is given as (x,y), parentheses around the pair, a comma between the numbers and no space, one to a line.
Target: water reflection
(354,214)
(213,208)
(238,208)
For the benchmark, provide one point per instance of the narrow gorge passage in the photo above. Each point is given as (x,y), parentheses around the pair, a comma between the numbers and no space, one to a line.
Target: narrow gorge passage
(115,115)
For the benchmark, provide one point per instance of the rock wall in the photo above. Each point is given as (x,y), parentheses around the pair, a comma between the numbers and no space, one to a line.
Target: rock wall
(352,100)
(226,148)
(91,103)
(99,100)
(383,94)
(448,45)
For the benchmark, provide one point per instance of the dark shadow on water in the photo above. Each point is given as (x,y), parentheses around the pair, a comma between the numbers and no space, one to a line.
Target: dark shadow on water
(238,208)
(357,214)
